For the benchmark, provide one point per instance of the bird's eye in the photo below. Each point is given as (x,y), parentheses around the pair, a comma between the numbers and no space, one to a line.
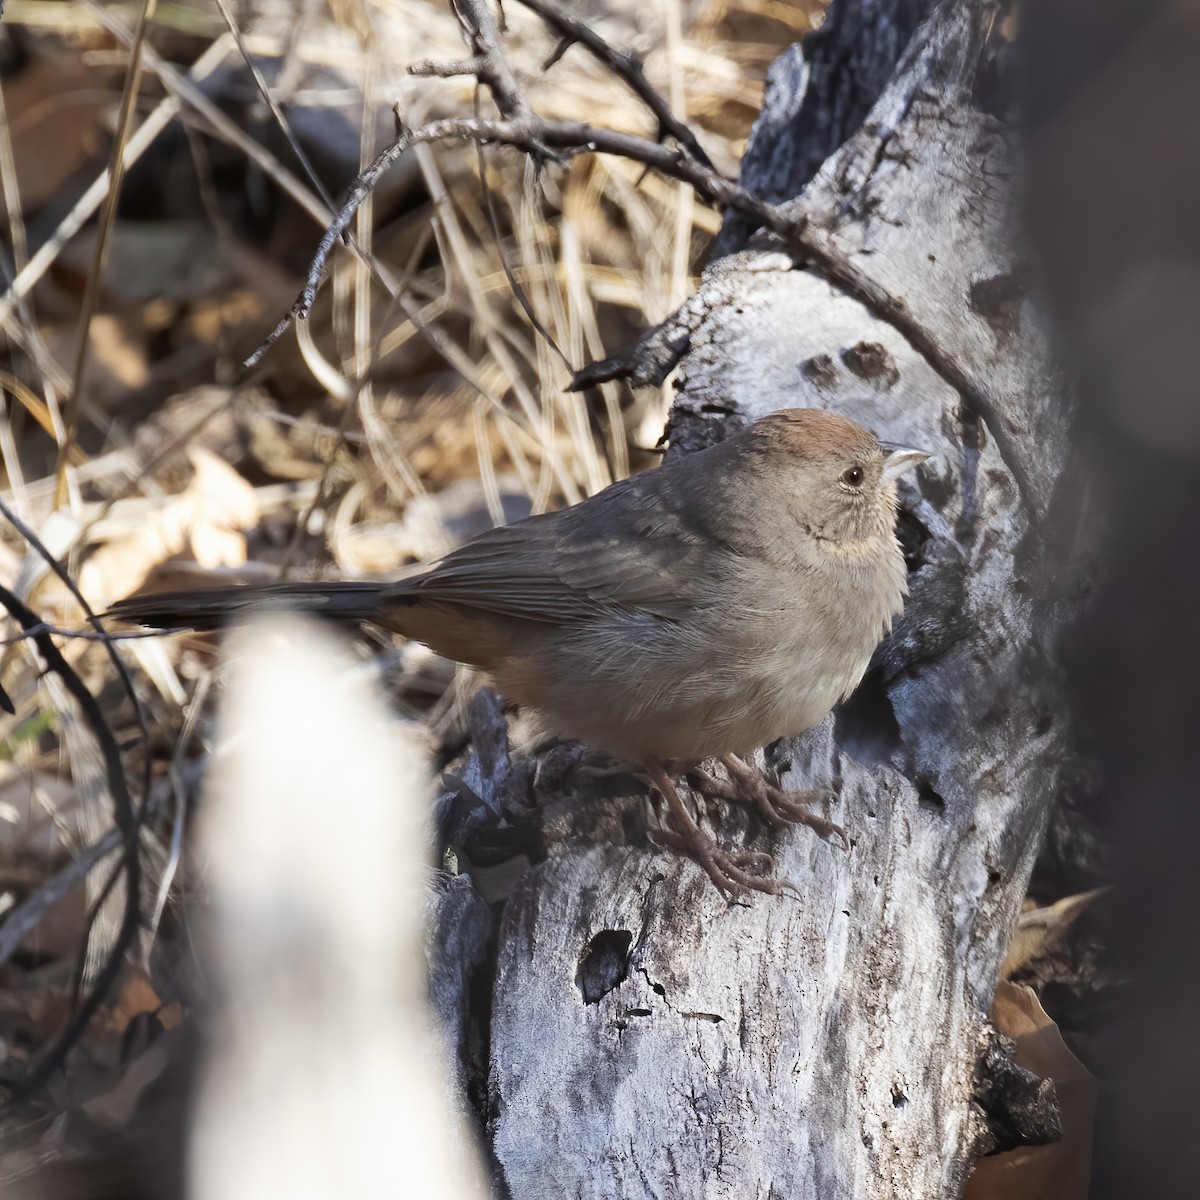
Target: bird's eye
(852,476)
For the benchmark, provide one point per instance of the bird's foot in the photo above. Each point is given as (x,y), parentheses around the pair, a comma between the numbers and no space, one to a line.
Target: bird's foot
(778,807)
(735,873)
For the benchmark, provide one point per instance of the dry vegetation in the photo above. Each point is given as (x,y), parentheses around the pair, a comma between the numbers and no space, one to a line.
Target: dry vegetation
(425,397)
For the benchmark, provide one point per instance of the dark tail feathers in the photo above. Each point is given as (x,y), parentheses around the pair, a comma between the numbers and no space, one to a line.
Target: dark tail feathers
(215,607)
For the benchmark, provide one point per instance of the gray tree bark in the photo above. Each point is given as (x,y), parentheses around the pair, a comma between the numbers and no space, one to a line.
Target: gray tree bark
(644,1038)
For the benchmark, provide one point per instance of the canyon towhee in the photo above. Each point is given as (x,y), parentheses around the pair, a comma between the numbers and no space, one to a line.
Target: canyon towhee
(697,611)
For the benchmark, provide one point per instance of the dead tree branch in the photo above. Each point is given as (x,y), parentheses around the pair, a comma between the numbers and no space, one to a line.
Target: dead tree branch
(626,67)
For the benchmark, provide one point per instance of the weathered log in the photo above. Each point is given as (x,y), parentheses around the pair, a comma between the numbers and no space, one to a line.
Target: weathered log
(646,1039)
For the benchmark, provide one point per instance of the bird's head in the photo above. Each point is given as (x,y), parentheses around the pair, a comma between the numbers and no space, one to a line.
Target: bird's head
(837,480)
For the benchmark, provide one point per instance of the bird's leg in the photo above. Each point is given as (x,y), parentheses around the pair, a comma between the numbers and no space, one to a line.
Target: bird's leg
(725,869)
(778,807)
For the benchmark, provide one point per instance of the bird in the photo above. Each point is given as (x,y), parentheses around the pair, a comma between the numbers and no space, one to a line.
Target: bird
(696,611)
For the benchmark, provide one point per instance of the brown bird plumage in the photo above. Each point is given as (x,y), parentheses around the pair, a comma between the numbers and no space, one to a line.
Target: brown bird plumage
(696,611)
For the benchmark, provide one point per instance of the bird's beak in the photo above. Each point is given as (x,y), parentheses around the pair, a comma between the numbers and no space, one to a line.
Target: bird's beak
(898,459)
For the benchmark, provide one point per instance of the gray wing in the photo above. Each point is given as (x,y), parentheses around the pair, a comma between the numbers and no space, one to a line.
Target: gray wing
(631,547)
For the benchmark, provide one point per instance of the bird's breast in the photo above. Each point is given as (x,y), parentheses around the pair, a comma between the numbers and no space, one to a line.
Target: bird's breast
(769,653)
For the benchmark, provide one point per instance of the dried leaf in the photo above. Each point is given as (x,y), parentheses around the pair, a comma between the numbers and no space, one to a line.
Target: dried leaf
(135,998)
(209,516)
(1041,929)
(1061,1171)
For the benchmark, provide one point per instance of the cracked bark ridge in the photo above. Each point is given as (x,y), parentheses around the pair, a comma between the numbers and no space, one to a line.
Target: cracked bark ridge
(1019,1108)
(460,929)
(817,95)
(648,1040)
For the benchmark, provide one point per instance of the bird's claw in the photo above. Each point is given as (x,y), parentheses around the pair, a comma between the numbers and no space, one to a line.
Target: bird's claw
(778,807)
(735,873)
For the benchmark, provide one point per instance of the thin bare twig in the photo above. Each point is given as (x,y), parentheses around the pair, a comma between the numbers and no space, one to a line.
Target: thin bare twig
(534,135)
(128,826)
(514,284)
(264,91)
(489,61)
(128,818)
(10,192)
(483,37)
(447,70)
(77,635)
(626,67)
(105,638)
(179,794)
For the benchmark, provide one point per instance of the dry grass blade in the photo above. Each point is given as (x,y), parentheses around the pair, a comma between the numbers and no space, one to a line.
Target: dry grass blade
(10,192)
(277,112)
(108,212)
